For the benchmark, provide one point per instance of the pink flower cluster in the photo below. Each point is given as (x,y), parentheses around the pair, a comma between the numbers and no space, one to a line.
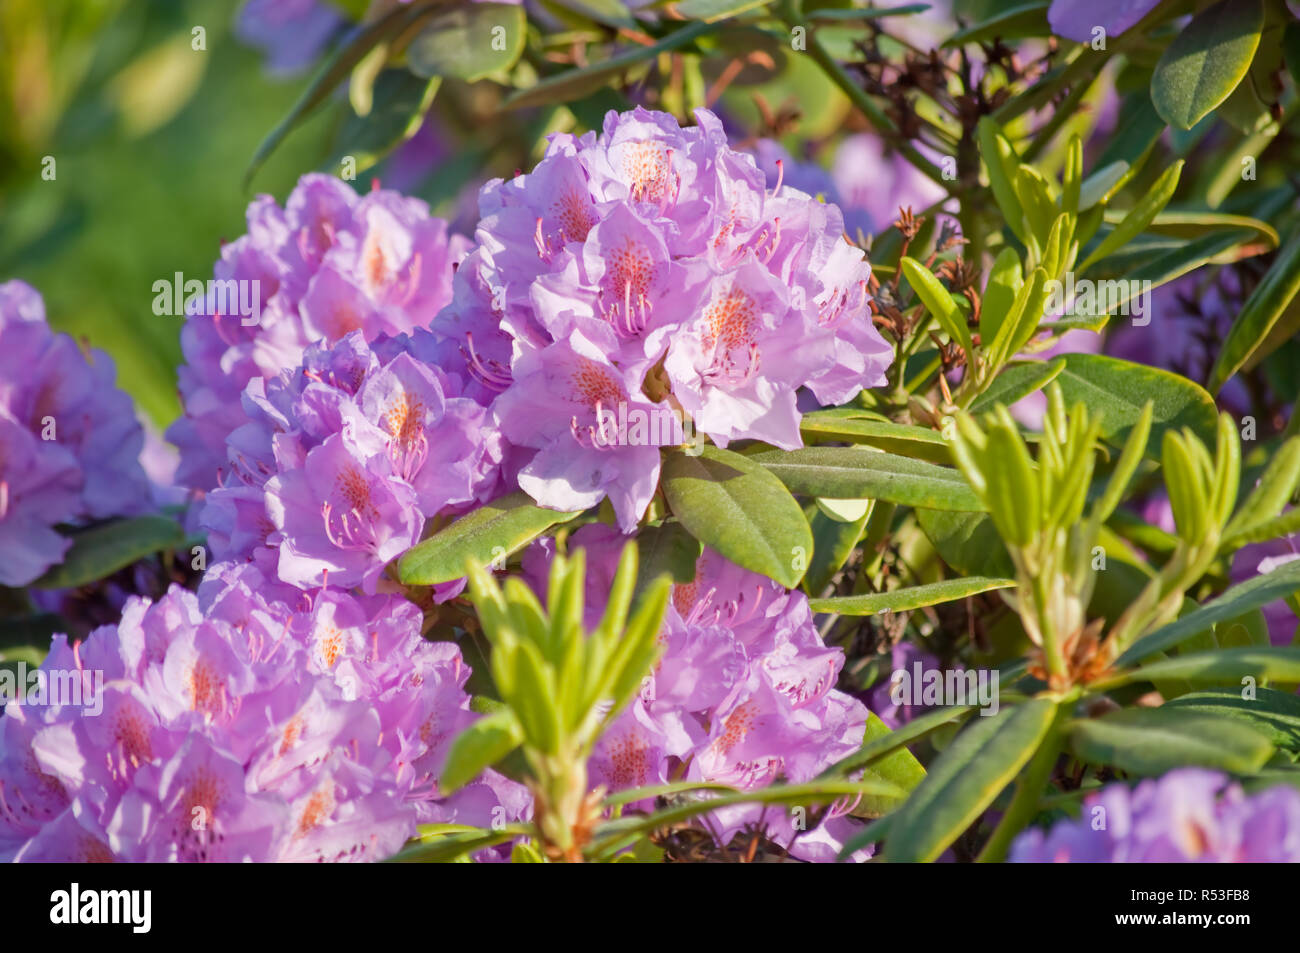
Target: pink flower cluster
(328,263)
(650,270)
(344,458)
(69,440)
(229,727)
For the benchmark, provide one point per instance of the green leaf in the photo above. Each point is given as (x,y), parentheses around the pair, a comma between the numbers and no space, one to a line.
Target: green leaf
(912,597)
(966,778)
(1284,525)
(732,504)
(852,14)
(1001,161)
(104,549)
(1240,599)
(400,100)
(1103,183)
(1274,713)
(910,441)
(833,543)
(609,12)
(900,768)
(1005,281)
(1278,664)
(1261,312)
(1021,321)
(937,301)
(665,550)
(576,83)
(481,745)
(1139,216)
(493,531)
(1016,382)
(968,542)
(1012,493)
(1026,19)
(859,473)
(445,848)
(711,11)
(1276,485)
(1206,61)
(1120,389)
(1151,741)
(350,52)
(880,747)
(469,41)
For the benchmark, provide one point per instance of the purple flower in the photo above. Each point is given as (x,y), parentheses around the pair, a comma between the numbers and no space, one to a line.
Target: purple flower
(743,695)
(1264,558)
(291,33)
(344,459)
(229,727)
(873,184)
(1189,318)
(648,273)
(69,440)
(1188,815)
(1078,19)
(328,263)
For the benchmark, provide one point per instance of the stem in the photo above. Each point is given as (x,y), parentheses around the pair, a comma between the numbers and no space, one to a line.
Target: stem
(864,103)
(1024,805)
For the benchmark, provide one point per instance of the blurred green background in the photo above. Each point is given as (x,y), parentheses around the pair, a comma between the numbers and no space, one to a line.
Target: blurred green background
(150,139)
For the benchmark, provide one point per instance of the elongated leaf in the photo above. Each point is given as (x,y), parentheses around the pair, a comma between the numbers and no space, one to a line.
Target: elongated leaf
(1206,61)
(884,745)
(493,531)
(1151,741)
(1026,19)
(910,441)
(1274,713)
(937,301)
(1261,312)
(1119,390)
(576,83)
(968,542)
(104,549)
(1139,217)
(1273,492)
(912,597)
(966,778)
(399,101)
(1001,161)
(1016,382)
(666,550)
(448,847)
(833,543)
(1280,664)
(732,504)
(468,41)
(858,473)
(711,11)
(1005,281)
(479,746)
(1240,599)
(900,768)
(853,14)
(350,52)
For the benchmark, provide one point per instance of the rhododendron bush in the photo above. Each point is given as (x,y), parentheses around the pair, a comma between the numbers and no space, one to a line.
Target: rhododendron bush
(666,431)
